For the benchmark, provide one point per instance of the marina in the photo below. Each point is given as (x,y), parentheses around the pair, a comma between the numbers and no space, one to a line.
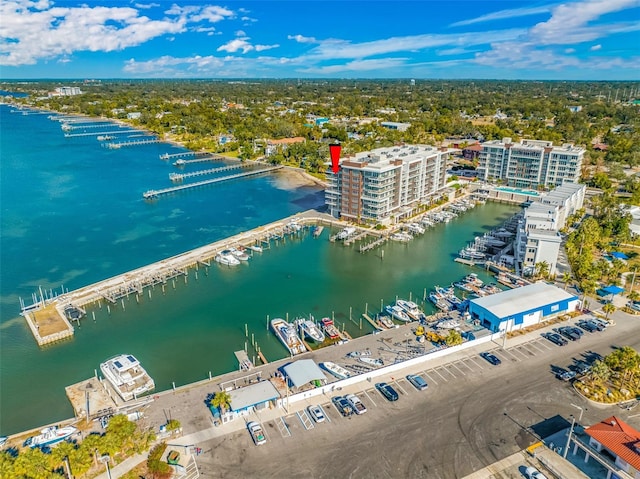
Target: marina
(204,301)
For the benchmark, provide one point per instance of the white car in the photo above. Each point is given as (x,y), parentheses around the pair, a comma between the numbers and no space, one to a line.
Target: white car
(356,404)
(533,473)
(257,434)
(316,413)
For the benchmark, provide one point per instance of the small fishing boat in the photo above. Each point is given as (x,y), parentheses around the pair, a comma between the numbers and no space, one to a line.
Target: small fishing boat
(50,436)
(411,309)
(372,361)
(239,254)
(256,248)
(359,354)
(310,330)
(385,321)
(336,370)
(227,258)
(397,312)
(345,233)
(329,328)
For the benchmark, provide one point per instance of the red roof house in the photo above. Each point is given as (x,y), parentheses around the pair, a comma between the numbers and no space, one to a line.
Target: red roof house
(620,440)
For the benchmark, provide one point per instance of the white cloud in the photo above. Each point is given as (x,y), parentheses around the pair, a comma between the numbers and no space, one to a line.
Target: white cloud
(248,20)
(302,39)
(244,45)
(358,66)
(144,6)
(569,50)
(595,48)
(31,31)
(240,33)
(504,14)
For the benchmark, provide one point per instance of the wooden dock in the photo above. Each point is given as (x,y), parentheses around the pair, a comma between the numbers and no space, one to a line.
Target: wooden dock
(154,194)
(244,362)
(374,244)
(372,322)
(98,133)
(121,144)
(177,177)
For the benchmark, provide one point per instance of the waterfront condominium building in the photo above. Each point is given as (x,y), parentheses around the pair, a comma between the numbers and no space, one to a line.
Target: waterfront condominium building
(530,163)
(538,239)
(386,183)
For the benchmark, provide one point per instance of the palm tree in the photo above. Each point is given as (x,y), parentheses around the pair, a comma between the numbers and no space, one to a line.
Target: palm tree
(221,400)
(542,270)
(600,372)
(608,309)
(633,296)
(566,278)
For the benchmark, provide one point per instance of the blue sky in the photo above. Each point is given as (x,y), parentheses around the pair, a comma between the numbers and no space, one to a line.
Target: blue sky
(573,40)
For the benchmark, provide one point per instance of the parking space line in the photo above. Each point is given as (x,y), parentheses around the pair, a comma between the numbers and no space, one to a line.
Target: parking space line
(461,371)
(528,348)
(447,370)
(435,371)
(429,376)
(400,387)
(542,346)
(370,398)
(324,412)
(476,362)
(524,351)
(513,356)
(464,362)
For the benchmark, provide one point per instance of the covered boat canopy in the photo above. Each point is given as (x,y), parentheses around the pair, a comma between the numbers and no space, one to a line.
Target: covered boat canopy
(303,372)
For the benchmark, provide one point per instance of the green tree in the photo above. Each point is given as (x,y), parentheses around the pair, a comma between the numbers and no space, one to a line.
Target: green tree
(608,309)
(599,372)
(453,338)
(221,400)
(542,270)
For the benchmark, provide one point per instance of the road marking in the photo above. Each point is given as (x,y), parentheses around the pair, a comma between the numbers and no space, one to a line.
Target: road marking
(370,398)
(476,362)
(306,421)
(464,362)
(324,412)
(430,378)
(282,427)
(461,371)
(543,345)
(447,370)
(435,371)
(513,356)
(400,387)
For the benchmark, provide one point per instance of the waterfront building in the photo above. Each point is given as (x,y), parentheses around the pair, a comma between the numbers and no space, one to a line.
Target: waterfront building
(521,307)
(530,163)
(384,184)
(247,399)
(282,144)
(538,236)
(65,91)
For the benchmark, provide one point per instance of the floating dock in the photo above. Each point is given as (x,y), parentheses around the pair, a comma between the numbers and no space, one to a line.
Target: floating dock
(244,362)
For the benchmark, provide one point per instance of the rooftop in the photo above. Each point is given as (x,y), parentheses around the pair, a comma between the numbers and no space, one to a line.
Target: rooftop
(253,394)
(303,372)
(524,298)
(618,437)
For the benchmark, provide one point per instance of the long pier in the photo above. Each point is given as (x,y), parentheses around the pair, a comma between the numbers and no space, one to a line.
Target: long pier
(148,141)
(153,194)
(205,159)
(176,177)
(98,133)
(184,154)
(68,127)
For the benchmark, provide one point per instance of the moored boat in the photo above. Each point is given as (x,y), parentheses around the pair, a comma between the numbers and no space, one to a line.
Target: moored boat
(359,354)
(397,312)
(330,329)
(336,370)
(345,233)
(385,321)
(127,376)
(287,335)
(239,254)
(50,436)
(256,248)
(310,330)
(412,310)
(227,258)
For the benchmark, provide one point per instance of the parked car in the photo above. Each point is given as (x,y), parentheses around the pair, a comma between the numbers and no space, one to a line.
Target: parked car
(342,405)
(532,473)
(387,391)
(357,405)
(565,374)
(588,326)
(581,367)
(601,322)
(492,358)
(257,434)
(417,381)
(568,333)
(600,325)
(316,413)
(556,339)
(634,305)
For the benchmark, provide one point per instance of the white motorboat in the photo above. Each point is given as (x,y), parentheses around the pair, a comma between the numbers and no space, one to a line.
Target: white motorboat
(256,248)
(448,324)
(127,376)
(336,370)
(310,330)
(227,258)
(239,254)
(397,312)
(401,236)
(359,354)
(411,309)
(372,361)
(287,334)
(385,321)
(50,436)
(330,329)
(345,233)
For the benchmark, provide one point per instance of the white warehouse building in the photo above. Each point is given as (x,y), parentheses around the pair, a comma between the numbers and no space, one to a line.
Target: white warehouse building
(521,307)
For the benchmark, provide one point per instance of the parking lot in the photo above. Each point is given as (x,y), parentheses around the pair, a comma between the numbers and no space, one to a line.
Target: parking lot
(472,414)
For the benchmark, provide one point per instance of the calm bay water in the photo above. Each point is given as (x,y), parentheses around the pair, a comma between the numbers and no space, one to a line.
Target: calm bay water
(73,214)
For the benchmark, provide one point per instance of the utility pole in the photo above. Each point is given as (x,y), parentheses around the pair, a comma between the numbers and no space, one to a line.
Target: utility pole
(566,448)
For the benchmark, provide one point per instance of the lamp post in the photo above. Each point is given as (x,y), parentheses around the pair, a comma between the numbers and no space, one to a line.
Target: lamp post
(566,447)
(581,411)
(105,460)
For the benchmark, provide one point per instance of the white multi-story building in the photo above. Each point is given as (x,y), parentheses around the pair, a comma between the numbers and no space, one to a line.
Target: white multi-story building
(530,164)
(538,239)
(381,185)
(66,91)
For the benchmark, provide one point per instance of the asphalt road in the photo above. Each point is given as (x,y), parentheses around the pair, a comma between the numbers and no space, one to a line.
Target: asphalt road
(472,414)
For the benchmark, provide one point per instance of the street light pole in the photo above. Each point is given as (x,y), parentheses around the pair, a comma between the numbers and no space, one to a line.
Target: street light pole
(581,411)
(566,448)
